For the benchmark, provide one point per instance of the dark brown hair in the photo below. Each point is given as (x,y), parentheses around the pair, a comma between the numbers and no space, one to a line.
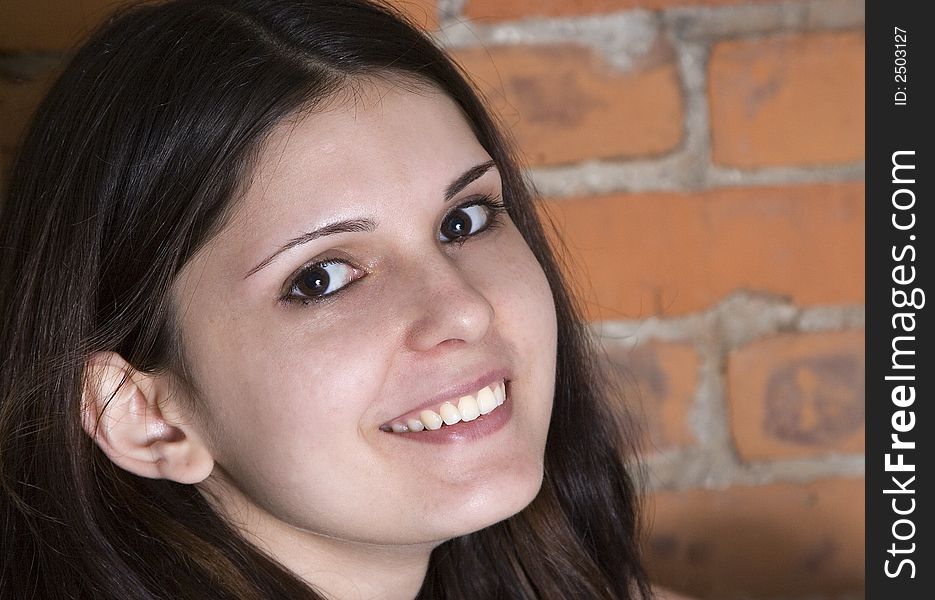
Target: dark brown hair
(130,165)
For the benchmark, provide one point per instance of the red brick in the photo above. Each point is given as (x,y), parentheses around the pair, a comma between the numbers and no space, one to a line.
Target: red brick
(639,255)
(518,9)
(659,381)
(50,24)
(798,395)
(565,103)
(779,540)
(788,100)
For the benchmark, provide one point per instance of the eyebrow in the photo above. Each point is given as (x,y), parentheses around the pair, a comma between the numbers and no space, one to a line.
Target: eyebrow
(465,179)
(359,225)
(349,226)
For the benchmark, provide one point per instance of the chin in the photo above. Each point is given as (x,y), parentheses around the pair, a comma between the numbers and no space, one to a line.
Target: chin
(495,500)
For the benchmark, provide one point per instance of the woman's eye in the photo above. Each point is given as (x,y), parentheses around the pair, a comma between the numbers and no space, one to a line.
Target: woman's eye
(321,279)
(466,221)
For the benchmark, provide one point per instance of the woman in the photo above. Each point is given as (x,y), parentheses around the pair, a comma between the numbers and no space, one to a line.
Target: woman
(280,320)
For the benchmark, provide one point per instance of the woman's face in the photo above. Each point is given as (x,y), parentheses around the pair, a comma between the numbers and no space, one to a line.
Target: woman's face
(365,277)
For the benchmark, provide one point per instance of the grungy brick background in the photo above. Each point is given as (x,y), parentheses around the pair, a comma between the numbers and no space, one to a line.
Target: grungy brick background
(702,162)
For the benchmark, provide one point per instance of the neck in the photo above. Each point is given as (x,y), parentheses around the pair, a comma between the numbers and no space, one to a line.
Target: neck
(349,569)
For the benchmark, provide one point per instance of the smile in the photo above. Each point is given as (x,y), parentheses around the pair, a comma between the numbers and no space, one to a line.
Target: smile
(468,408)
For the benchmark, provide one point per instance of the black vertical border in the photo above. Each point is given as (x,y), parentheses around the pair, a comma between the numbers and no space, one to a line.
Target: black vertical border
(892,128)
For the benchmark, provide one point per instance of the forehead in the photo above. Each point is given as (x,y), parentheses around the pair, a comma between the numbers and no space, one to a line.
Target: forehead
(373,133)
(376,150)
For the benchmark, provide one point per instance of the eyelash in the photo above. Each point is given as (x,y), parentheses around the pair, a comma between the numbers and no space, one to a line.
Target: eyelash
(495,209)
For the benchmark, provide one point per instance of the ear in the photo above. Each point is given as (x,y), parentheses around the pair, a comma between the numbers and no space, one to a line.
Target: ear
(132,418)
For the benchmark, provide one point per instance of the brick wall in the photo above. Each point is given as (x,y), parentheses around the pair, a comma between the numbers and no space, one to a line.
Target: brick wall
(702,160)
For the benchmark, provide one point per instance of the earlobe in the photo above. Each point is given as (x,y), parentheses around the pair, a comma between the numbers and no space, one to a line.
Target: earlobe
(130,416)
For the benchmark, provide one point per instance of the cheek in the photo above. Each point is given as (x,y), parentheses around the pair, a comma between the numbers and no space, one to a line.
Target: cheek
(297,392)
(287,422)
(524,298)
(526,316)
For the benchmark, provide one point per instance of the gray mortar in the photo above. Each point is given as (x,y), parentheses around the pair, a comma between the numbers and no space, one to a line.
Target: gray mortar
(692,468)
(757,19)
(622,38)
(450,9)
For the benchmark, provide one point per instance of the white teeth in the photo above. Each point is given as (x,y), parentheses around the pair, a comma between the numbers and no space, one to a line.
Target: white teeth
(486,400)
(450,413)
(468,408)
(499,392)
(431,419)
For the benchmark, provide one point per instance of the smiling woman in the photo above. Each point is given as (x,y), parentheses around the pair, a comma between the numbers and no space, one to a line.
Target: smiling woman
(280,320)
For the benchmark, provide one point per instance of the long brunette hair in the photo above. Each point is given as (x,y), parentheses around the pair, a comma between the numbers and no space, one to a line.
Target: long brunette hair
(131,164)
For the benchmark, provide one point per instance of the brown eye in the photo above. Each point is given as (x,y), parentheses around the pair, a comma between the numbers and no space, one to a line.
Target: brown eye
(464,221)
(321,279)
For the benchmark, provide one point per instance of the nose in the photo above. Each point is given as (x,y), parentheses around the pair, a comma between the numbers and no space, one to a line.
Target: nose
(448,306)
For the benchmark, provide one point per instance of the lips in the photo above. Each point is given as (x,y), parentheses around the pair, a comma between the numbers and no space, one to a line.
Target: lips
(465,408)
